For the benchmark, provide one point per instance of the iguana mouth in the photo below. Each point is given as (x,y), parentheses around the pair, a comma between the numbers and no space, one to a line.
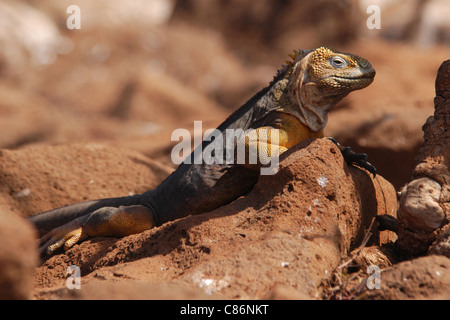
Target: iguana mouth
(351,83)
(354,78)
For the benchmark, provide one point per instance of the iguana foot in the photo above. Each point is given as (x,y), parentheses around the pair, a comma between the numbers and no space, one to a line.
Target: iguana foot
(67,235)
(387,222)
(353,158)
(359,159)
(107,221)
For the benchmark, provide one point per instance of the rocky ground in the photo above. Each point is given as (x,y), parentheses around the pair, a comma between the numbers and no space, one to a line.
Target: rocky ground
(89,113)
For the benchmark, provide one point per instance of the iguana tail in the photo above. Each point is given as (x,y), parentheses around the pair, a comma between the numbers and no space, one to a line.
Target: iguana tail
(49,220)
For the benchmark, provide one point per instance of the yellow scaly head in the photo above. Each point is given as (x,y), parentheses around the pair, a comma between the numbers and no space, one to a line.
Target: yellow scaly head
(319,78)
(337,70)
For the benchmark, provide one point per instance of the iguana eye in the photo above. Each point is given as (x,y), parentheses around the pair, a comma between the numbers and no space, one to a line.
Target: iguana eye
(338,62)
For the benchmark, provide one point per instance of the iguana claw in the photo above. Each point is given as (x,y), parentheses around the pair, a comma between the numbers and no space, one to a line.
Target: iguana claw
(106,221)
(66,235)
(359,159)
(353,158)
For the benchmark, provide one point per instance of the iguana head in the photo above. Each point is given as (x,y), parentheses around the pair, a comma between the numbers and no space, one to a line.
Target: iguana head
(320,78)
(339,72)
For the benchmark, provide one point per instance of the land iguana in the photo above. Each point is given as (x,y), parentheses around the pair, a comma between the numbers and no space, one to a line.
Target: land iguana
(296,102)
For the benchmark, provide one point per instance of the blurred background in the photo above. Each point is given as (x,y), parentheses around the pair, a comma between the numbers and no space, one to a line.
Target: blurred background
(137,70)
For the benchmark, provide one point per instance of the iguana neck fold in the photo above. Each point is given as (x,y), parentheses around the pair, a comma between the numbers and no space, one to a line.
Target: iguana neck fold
(310,109)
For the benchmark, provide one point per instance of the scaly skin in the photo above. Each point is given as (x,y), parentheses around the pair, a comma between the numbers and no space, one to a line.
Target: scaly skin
(296,103)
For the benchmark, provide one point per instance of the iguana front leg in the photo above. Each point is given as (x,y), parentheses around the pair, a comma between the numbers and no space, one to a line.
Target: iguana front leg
(260,143)
(260,146)
(107,221)
(353,158)
(264,144)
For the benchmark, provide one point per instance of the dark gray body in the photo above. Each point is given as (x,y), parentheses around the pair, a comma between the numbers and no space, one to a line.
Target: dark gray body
(191,188)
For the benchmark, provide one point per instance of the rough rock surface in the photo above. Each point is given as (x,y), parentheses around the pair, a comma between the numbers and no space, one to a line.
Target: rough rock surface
(421,278)
(18,256)
(425,201)
(42,178)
